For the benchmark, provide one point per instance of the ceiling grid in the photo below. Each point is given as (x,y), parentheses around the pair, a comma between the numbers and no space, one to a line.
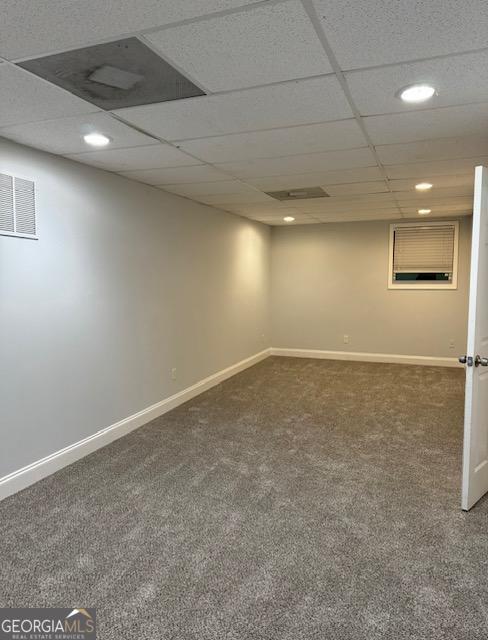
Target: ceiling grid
(291,102)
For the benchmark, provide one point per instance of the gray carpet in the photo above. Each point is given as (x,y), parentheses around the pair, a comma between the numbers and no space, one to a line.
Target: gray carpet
(300,499)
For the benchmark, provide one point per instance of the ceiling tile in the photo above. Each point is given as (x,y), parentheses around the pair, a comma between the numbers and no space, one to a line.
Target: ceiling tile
(458,79)
(356,188)
(377,32)
(293,103)
(444,211)
(467,120)
(279,222)
(436,194)
(160,177)
(355,216)
(441,149)
(298,181)
(235,198)
(328,136)
(266,44)
(300,218)
(368,197)
(348,206)
(409,214)
(56,25)
(210,188)
(452,201)
(427,170)
(151,157)
(267,209)
(439,182)
(26,98)
(305,163)
(65,135)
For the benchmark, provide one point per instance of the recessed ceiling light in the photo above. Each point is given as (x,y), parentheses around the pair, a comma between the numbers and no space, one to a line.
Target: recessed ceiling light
(288,218)
(423,186)
(416,93)
(424,212)
(96,139)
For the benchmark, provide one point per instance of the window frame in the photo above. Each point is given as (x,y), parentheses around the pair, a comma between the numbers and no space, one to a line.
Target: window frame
(424,285)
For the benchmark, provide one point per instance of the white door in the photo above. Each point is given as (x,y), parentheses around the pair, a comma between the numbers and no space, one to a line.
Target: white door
(475,456)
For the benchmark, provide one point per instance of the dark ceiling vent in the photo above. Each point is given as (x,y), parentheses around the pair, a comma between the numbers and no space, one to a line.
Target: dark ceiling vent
(298,194)
(113,75)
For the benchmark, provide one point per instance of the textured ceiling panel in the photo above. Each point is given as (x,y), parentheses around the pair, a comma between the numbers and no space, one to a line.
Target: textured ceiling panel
(42,26)
(293,103)
(328,136)
(447,122)
(441,149)
(458,80)
(377,32)
(26,98)
(426,170)
(438,182)
(65,135)
(358,188)
(210,188)
(313,162)
(274,183)
(151,157)
(200,173)
(263,45)
(235,198)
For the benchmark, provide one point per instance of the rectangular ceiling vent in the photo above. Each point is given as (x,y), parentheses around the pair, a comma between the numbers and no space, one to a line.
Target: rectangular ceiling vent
(17,207)
(298,194)
(113,75)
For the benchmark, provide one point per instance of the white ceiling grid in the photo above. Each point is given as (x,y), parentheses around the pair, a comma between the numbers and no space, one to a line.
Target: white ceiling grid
(300,93)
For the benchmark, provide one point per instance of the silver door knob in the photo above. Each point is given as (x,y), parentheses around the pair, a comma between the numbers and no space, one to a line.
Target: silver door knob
(466,360)
(480,361)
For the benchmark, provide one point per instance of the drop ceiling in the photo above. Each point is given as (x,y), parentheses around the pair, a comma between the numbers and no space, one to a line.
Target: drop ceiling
(296,94)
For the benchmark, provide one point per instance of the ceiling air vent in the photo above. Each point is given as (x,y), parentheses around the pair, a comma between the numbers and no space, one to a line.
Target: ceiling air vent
(298,194)
(113,75)
(17,207)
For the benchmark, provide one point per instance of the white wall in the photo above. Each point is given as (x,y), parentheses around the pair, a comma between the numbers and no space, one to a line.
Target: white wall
(124,283)
(331,279)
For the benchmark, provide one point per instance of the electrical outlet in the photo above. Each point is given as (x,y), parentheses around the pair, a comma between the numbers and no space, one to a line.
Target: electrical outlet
(173,373)
(346,339)
(451,344)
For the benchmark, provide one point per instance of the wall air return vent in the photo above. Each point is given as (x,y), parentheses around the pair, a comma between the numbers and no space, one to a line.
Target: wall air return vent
(298,194)
(113,75)
(17,207)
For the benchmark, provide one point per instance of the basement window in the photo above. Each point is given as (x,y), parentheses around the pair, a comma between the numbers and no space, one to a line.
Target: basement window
(423,256)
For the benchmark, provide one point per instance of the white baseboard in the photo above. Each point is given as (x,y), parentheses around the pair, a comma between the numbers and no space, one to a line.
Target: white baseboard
(360,356)
(22,478)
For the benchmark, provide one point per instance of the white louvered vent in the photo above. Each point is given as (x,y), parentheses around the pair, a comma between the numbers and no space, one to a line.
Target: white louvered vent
(17,207)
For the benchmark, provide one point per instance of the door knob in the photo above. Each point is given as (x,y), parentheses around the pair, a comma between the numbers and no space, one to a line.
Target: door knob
(466,360)
(480,361)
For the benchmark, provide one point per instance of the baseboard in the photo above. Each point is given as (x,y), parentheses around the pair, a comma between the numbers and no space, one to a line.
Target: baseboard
(360,356)
(22,478)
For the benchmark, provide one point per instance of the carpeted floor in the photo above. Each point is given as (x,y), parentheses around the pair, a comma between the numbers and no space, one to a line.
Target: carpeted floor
(300,499)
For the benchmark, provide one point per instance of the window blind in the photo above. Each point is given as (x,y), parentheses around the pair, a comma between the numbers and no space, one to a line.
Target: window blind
(424,249)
